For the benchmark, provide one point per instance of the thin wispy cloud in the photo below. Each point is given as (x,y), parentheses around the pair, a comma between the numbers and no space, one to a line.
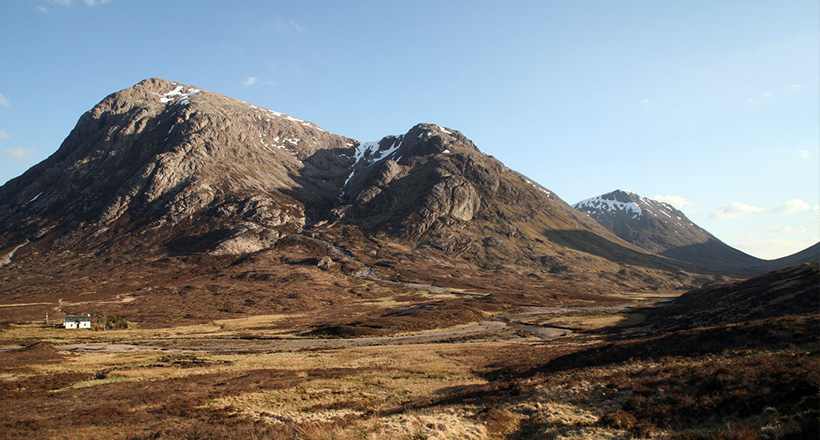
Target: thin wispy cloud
(252,80)
(645,101)
(794,87)
(805,154)
(764,97)
(18,154)
(296,26)
(4,135)
(676,201)
(288,26)
(736,210)
(44,9)
(4,102)
(793,206)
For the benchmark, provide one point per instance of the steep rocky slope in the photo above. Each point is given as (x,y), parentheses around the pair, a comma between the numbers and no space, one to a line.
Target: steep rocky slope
(433,187)
(156,154)
(162,174)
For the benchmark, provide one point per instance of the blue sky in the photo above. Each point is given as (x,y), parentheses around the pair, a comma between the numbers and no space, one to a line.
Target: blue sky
(712,106)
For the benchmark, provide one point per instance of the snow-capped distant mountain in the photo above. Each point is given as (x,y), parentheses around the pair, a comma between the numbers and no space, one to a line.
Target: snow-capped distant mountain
(653,225)
(659,227)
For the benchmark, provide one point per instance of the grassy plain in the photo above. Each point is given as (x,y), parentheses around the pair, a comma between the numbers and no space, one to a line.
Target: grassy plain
(233,378)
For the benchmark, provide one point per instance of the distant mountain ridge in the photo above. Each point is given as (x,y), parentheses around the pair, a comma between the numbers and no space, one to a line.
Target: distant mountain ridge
(662,229)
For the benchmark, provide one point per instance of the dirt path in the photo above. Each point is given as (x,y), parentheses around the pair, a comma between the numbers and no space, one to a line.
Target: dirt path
(27,304)
(105,347)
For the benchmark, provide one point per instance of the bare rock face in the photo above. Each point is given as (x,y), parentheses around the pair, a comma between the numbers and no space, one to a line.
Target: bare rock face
(161,152)
(464,201)
(261,222)
(452,198)
(404,184)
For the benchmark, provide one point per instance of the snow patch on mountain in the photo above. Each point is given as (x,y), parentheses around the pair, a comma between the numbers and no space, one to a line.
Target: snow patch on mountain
(294,141)
(600,204)
(538,187)
(369,153)
(178,95)
(35,198)
(279,115)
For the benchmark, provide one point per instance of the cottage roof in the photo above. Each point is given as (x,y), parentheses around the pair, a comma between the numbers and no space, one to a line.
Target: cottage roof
(76,318)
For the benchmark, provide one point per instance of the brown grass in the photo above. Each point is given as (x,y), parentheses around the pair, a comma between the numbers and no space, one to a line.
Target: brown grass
(745,380)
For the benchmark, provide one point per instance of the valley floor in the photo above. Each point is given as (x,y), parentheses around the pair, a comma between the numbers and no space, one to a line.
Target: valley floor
(551,373)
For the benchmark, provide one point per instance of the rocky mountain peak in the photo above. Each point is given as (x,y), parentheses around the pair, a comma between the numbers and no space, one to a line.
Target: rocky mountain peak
(623,212)
(424,139)
(615,203)
(159,152)
(661,228)
(623,196)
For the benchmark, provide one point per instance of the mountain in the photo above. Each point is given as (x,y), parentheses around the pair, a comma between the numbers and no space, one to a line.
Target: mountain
(660,228)
(193,193)
(652,225)
(154,155)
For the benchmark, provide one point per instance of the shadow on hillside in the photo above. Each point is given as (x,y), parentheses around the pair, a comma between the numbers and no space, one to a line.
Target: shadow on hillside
(717,256)
(770,333)
(586,241)
(319,182)
(198,243)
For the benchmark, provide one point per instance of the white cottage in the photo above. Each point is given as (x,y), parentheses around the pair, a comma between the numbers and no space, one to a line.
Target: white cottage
(77,321)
